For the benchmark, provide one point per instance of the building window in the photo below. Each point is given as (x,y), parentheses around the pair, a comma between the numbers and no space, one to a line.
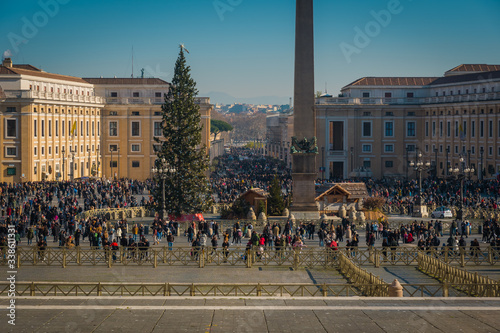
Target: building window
(389,128)
(57,128)
(136,128)
(387,95)
(81,127)
(433,128)
(157,113)
(367,164)
(367,114)
(472,129)
(426,128)
(389,164)
(113,148)
(441,129)
(156,148)
(410,148)
(473,150)
(62,127)
(35,151)
(410,129)
(113,164)
(11,109)
(389,148)
(367,129)
(158,94)
(10,151)
(136,148)
(367,148)
(114,94)
(113,128)
(113,113)
(35,128)
(481,129)
(456,149)
(98,128)
(87,127)
(366,95)
(93,128)
(456,129)
(465,128)
(490,128)
(135,113)
(409,95)
(50,150)
(157,129)
(10,128)
(11,171)
(490,151)
(50,128)
(135,164)
(135,94)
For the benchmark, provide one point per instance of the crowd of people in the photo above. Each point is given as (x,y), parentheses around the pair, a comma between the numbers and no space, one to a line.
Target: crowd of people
(241,170)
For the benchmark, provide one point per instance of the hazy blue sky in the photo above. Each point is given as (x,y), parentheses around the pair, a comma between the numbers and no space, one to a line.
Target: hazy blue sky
(245,48)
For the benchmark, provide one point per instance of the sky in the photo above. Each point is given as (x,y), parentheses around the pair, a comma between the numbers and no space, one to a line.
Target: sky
(245,48)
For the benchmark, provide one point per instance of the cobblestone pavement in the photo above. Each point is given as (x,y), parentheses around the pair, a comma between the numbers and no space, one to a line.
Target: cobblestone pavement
(230,314)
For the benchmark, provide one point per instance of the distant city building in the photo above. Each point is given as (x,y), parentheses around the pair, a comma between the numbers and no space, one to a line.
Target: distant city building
(381,123)
(279,130)
(58,127)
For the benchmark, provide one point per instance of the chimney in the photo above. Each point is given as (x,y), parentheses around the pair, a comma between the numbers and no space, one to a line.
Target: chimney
(7,62)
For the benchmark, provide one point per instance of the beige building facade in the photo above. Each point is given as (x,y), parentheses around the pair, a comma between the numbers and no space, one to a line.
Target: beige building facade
(57,127)
(50,125)
(379,124)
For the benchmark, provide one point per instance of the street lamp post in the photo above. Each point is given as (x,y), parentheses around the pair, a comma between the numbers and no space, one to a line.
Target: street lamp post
(447,161)
(460,173)
(419,165)
(63,151)
(161,169)
(482,167)
(435,163)
(88,168)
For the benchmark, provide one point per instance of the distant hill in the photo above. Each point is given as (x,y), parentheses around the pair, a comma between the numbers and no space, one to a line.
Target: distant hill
(223,98)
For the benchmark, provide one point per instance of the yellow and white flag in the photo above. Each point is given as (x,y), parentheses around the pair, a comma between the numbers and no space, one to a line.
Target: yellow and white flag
(73,128)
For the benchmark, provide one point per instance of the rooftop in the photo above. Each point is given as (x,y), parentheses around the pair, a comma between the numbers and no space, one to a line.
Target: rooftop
(127,81)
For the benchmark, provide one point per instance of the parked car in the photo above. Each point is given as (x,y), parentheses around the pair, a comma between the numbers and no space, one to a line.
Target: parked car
(441,213)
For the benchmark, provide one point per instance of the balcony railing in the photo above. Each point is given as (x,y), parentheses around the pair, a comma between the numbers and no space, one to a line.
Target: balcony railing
(408,101)
(31,94)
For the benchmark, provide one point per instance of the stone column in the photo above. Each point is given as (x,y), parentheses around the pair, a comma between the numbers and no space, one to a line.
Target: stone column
(304,163)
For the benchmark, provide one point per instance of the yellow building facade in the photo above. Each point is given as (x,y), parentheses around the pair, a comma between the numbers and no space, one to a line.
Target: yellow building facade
(57,127)
(50,125)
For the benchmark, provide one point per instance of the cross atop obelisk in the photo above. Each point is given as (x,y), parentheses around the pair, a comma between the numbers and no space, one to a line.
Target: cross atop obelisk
(304,148)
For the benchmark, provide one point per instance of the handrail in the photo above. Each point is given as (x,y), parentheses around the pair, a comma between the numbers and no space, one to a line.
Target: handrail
(357,275)
(481,285)
(39,288)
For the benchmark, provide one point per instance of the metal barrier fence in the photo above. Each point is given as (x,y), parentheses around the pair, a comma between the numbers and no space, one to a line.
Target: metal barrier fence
(477,285)
(370,285)
(201,257)
(26,289)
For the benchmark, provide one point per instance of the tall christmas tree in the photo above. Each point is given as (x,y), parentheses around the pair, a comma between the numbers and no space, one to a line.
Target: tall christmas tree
(182,161)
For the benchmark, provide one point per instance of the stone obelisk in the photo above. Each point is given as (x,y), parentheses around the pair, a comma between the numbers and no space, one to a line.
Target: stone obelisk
(304,151)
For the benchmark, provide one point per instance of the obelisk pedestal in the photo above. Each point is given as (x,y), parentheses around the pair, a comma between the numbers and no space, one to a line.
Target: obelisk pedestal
(304,151)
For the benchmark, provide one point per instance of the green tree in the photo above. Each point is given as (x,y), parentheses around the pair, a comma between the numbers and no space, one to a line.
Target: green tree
(219,126)
(183,159)
(275,202)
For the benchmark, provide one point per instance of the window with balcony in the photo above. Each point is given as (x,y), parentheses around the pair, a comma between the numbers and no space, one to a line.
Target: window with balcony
(389,128)
(157,129)
(411,129)
(136,128)
(367,129)
(113,128)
